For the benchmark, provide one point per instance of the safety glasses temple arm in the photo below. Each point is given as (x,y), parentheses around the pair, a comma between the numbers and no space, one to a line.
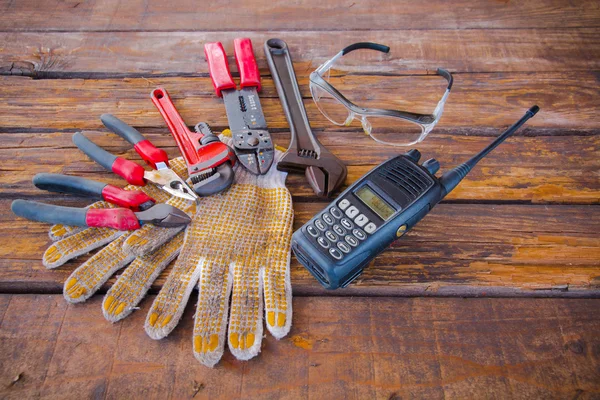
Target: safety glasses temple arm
(356,46)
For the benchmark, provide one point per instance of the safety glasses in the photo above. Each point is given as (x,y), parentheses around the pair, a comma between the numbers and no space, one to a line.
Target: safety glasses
(392,127)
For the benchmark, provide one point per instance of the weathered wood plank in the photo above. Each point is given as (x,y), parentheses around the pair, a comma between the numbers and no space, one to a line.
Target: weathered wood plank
(153,53)
(477,100)
(301,15)
(353,347)
(538,169)
(458,249)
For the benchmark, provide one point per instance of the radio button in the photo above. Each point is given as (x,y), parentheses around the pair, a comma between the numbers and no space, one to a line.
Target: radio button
(312,231)
(335,253)
(370,228)
(328,218)
(339,230)
(323,242)
(346,223)
(361,220)
(344,204)
(331,236)
(352,212)
(344,247)
(320,224)
(335,212)
(359,234)
(351,240)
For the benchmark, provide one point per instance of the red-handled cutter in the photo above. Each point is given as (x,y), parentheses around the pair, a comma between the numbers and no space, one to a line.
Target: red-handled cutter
(209,161)
(251,141)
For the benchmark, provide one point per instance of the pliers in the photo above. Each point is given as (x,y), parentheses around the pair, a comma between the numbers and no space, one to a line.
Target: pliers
(252,142)
(133,173)
(122,219)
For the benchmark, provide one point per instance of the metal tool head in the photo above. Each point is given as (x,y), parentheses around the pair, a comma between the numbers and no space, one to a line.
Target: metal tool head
(164,215)
(251,142)
(172,183)
(324,171)
(212,180)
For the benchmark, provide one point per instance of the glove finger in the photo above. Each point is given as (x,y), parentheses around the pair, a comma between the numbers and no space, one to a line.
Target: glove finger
(133,284)
(245,322)
(276,277)
(92,274)
(168,306)
(75,245)
(210,323)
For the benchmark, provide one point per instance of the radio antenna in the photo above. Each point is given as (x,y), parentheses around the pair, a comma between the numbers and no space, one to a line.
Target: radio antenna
(452,178)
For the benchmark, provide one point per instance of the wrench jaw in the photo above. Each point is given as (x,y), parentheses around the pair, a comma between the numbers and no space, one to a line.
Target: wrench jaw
(212,180)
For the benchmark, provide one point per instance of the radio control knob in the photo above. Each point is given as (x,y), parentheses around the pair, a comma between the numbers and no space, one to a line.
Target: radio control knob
(413,154)
(432,165)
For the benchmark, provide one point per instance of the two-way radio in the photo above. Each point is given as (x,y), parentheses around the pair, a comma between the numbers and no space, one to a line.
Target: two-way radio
(337,244)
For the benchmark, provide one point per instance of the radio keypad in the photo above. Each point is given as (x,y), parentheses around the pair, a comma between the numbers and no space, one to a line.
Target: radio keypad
(312,231)
(351,240)
(370,227)
(339,231)
(344,204)
(323,242)
(335,253)
(343,247)
(331,236)
(361,220)
(352,212)
(359,234)
(320,224)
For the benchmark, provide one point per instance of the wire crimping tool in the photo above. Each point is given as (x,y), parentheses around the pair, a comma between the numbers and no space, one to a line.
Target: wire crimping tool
(209,161)
(251,141)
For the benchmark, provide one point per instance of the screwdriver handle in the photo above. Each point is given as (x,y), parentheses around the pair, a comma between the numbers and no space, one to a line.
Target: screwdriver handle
(218,67)
(150,153)
(246,63)
(128,170)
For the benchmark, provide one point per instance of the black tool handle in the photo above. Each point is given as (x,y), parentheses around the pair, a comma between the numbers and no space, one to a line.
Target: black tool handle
(94,152)
(122,129)
(49,213)
(69,184)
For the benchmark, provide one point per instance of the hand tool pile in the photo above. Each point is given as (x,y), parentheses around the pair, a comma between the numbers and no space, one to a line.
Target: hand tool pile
(223,212)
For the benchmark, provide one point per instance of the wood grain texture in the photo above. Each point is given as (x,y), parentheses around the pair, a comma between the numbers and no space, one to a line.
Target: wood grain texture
(337,348)
(538,169)
(477,100)
(222,15)
(491,250)
(89,54)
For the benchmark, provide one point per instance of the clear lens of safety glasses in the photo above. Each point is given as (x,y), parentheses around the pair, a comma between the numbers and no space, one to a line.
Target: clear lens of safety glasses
(330,106)
(388,126)
(392,131)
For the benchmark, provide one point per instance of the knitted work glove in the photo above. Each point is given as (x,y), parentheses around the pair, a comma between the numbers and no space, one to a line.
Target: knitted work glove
(237,246)
(91,275)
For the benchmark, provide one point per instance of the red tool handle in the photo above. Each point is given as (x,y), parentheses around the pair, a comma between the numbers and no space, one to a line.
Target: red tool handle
(135,200)
(218,67)
(246,63)
(122,219)
(185,138)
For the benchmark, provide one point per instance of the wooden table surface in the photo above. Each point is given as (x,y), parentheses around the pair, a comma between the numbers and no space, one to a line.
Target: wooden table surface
(525,223)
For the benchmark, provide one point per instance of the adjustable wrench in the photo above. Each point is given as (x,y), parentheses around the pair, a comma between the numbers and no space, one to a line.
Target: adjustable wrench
(251,140)
(323,170)
(209,161)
